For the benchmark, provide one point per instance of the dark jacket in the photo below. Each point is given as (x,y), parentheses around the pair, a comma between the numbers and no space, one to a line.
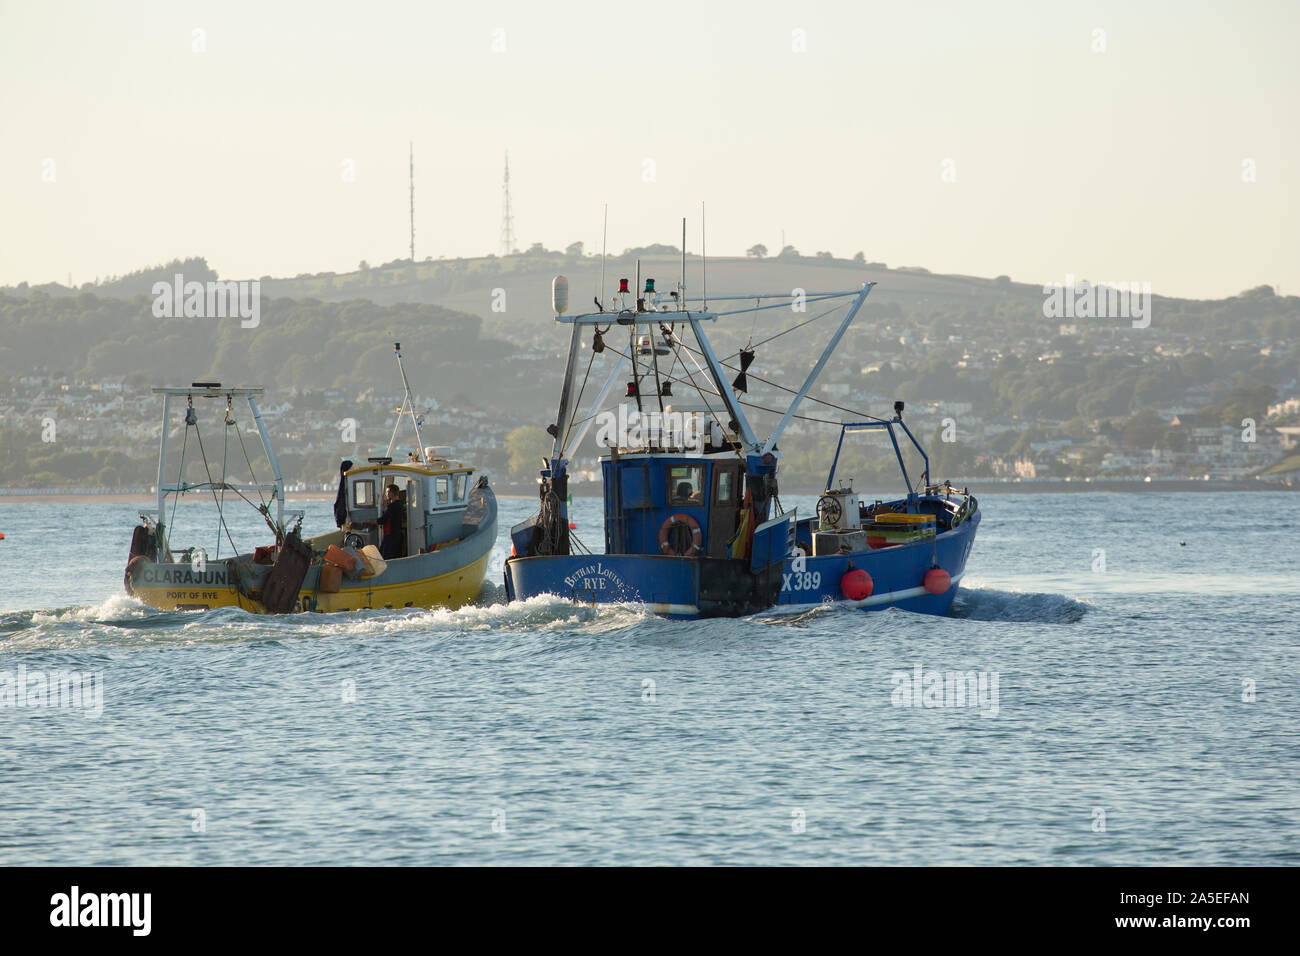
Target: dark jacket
(393,522)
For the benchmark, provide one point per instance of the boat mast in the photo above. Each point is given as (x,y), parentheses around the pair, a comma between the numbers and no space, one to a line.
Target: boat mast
(162,464)
(408,408)
(562,416)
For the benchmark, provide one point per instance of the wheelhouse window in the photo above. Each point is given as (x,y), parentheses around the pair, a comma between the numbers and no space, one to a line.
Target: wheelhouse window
(726,487)
(363,493)
(686,485)
(461,480)
(441,490)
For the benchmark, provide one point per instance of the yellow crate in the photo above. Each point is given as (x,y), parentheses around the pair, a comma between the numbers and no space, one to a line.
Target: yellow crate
(893,518)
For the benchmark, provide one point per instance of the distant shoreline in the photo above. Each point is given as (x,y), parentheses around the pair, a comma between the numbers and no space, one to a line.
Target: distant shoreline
(977,487)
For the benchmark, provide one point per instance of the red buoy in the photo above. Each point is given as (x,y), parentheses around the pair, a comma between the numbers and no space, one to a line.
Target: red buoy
(936,581)
(856,585)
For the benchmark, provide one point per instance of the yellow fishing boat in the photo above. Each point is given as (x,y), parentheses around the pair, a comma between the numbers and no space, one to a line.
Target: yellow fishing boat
(409,534)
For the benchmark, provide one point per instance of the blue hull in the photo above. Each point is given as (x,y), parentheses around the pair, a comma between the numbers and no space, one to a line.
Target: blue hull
(896,573)
(674,587)
(689,588)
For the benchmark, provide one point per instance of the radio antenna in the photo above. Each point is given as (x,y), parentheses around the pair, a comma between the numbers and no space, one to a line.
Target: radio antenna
(704,255)
(681,294)
(604,246)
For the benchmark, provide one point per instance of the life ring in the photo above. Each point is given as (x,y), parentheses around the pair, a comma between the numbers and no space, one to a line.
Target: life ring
(665,529)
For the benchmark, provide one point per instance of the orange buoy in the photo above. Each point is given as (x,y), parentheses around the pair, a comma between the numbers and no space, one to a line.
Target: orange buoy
(856,584)
(936,581)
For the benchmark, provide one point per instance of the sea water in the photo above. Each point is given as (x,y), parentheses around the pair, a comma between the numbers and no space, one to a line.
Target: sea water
(1117,685)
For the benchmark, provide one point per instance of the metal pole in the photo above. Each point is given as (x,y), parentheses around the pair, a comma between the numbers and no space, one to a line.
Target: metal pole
(562,416)
(162,463)
(898,453)
(821,363)
(275,464)
(572,446)
(836,460)
(408,407)
(748,438)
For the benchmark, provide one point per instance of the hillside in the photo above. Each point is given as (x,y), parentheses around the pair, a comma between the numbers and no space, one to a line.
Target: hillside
(1046,395)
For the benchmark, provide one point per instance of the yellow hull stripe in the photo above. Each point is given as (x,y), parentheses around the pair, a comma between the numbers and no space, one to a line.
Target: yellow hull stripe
(453,589)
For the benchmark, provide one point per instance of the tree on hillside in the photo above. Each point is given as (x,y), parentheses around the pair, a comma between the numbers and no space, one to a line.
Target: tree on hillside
(756,251)
(825,255)
(789,252)
(1144,429)
(860,259)
(525,445)
(573,249)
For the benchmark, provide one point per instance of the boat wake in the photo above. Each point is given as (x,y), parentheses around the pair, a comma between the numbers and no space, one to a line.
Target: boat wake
(971,604)
(989,604)
(122,621)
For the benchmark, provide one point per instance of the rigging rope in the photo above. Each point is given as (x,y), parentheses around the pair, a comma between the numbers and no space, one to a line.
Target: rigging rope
(225,447)
(679,344)
(221,517)
(747,404)
(578,404)
(792,391)
(180,475)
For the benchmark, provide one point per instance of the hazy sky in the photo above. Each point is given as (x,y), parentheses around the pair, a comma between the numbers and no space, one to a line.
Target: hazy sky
(231,143)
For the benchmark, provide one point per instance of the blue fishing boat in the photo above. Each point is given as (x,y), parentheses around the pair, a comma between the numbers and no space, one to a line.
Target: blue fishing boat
(693,523)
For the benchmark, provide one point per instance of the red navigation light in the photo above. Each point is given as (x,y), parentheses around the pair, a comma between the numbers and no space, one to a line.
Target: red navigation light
(622,286)
(631,389)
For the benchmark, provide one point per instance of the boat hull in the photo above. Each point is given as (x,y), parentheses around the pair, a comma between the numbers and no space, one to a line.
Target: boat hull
(687,588)
(897,573)
(450,577)
(674,587)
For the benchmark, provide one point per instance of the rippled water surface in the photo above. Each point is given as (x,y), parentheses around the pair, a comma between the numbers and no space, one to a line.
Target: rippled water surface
(548,733)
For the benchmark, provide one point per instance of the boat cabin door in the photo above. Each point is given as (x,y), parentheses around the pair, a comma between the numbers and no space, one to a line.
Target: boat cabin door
(724,508)
(415,539)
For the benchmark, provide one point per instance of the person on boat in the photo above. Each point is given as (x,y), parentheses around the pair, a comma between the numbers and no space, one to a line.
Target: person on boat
(393,524)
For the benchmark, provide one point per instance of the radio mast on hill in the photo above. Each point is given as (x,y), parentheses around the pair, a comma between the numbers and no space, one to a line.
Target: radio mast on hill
(507,219)
(412,145)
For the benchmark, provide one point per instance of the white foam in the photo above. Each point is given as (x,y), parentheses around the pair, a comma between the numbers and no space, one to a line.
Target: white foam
(116,608)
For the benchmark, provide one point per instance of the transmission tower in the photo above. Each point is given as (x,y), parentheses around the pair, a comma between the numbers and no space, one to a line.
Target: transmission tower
(507,218)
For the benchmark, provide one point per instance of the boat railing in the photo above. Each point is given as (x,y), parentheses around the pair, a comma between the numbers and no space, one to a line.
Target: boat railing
(887,425)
